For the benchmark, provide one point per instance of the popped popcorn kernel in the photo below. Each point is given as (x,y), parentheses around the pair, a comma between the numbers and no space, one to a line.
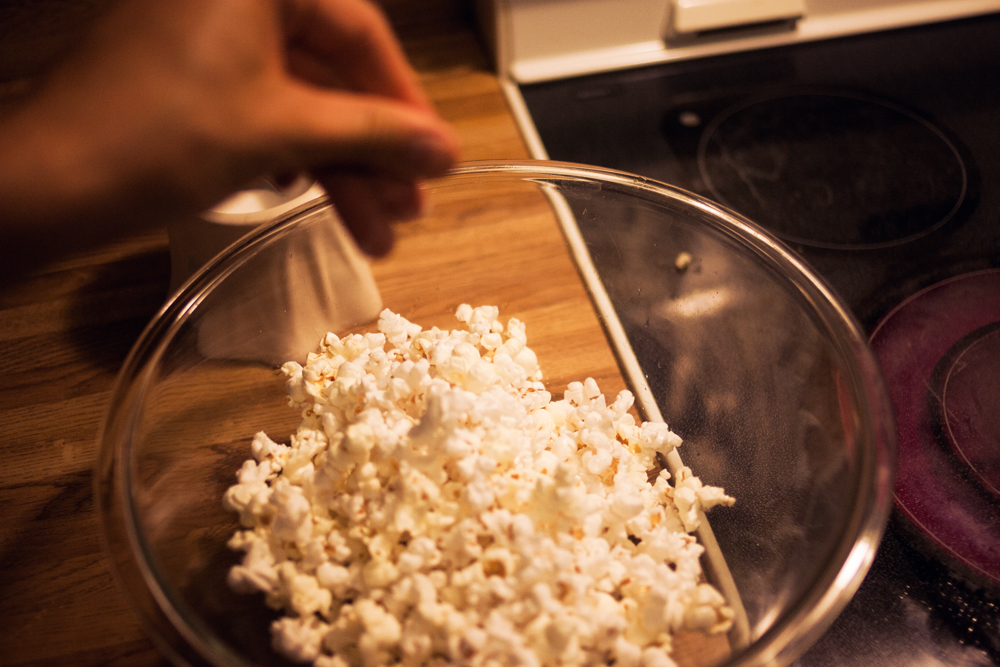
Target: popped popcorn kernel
(437,506)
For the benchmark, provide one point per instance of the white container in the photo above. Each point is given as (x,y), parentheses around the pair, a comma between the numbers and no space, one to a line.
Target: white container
(322,284)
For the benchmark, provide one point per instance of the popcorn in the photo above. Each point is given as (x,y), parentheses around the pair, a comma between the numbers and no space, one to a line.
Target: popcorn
(437,506)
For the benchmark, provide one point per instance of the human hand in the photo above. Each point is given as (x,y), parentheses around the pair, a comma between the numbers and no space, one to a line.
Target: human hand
(170,105)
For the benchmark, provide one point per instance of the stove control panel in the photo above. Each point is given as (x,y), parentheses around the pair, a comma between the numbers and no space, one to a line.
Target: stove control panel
(544,40)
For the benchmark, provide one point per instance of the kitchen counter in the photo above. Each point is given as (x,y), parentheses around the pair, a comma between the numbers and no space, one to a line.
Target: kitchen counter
(66,330)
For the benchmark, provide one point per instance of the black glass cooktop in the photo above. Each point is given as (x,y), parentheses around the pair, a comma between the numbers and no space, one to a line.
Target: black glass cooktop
(876,158)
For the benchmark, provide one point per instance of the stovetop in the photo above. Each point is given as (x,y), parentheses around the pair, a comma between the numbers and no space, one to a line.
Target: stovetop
(877,158)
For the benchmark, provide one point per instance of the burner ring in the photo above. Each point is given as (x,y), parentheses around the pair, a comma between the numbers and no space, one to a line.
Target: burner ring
(934,490)
(830,169)
(965,400)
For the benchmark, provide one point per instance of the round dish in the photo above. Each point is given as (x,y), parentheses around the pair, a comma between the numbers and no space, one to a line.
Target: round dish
(713,324)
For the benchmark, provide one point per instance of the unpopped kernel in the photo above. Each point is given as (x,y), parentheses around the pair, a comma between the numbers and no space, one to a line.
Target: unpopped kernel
(436,506)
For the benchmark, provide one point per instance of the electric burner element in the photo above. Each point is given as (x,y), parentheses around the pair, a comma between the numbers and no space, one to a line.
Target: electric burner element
(940,353)
(833,170)
(967,388)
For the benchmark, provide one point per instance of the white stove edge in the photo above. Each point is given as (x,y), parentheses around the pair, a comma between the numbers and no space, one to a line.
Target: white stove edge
(719,574)
(717,570)
(542,40)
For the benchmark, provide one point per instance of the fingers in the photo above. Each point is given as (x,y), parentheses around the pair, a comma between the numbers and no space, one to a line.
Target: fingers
(349,43)
(337,130)
(355,113)
(368,206)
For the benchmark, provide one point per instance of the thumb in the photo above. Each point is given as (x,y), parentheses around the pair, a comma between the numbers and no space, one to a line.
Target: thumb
(342,130)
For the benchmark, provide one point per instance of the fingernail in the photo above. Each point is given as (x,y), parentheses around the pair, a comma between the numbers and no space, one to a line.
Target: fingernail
(431,155)
(376,243)
(402,202)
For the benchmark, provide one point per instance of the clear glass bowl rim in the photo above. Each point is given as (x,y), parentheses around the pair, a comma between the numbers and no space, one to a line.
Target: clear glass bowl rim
(786,640)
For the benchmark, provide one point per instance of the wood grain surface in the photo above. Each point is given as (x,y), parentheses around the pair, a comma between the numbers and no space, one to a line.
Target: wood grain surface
(66,331)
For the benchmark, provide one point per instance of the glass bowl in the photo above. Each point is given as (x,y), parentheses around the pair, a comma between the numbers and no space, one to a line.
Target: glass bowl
(711,322)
